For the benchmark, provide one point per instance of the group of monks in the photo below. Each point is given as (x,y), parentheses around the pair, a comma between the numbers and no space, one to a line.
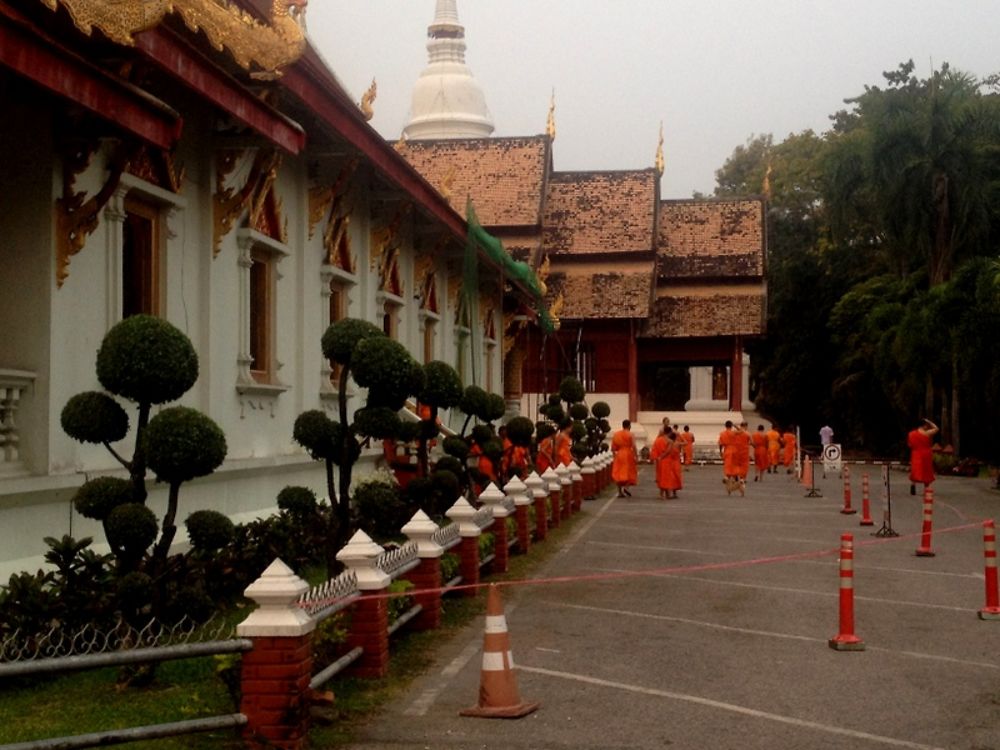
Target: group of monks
(771,449)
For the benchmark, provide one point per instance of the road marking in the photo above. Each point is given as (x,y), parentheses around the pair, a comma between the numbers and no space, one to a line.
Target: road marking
(766,633)
(788,590)
(732,707)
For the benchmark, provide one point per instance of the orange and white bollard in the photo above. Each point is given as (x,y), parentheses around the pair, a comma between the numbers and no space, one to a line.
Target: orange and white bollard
(866,506)
(846,640)
(847,509)
(924,550)
(992,609)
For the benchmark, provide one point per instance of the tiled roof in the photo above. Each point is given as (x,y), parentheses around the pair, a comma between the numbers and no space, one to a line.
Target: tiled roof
(624,294)
(504,176)
(599,212)
(722,314)
(711,238)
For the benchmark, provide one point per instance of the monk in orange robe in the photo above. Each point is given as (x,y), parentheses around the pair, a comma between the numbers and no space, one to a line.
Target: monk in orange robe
(760,459)
(789,448)
(563,443)
(741,454)
(773,449)
(666,457)
(726,450)
(919,441)
(546,454)
(687,445)
(624,468)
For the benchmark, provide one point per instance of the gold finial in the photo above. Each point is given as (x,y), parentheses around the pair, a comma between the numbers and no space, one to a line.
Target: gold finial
(660,162)
(550,124)
(447,183)
(767,182)
(542,274)
(367,99)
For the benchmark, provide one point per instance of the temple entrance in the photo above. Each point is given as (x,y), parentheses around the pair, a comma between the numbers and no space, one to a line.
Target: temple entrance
(663,387)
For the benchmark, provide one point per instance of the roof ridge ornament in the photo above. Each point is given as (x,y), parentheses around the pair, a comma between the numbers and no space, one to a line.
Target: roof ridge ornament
(660,161)
(261,49)
(550,124)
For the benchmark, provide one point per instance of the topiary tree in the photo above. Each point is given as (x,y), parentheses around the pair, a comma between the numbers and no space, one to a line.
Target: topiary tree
(147,361)
(442,390)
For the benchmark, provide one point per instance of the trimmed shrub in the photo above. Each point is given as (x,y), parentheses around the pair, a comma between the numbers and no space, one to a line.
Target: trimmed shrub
(387,370)
(579,412)
(601,410)
(571,390)
(94,417)
(496,407)
(297,501)
(442,386)
(520,430)
(481,433)
(544,430)
(410,431)
(209,530)
(147,360)
(455,446)
(378,422)
(381,508)
(131,528)
(493,448)
(319,435)
(96,498)
(182,443)
(341,337)
(474,401)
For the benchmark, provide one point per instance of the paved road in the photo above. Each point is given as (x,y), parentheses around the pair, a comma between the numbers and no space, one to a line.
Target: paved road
(735,655)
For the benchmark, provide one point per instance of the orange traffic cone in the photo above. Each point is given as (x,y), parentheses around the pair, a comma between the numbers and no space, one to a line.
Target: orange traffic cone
(498,695)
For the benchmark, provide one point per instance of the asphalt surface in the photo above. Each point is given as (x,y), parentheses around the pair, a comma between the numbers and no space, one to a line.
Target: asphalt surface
(704,622)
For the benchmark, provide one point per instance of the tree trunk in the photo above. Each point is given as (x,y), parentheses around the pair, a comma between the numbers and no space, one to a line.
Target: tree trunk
(162,547)
(137,472)
(956,436)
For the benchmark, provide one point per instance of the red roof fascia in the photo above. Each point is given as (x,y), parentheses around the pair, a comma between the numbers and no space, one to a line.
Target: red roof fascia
(318,90)
(30,52)
(190,67)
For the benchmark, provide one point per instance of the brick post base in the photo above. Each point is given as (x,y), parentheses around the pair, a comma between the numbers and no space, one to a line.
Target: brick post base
(556,497)
(468,551)
(501,553)
(523,529)
(370,630)
(567,501)
(275,692)
(541,519)
(427,575)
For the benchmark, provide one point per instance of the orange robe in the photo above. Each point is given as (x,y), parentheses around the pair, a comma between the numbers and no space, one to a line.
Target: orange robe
(688,446)
(726,444)
(546,454)
(921,457)
(760,458)
(741,453)
(624,470)
(563,454)
(666,457)
(789,441)
(773,447)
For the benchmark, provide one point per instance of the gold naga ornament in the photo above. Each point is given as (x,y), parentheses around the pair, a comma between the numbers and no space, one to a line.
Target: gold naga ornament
(660,161)
(262,49)
(367,99)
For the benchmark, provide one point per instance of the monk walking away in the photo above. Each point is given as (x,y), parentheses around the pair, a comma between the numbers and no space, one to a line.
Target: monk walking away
(665,455)
(686,438)
(761,462)
(625,467)
(920,441)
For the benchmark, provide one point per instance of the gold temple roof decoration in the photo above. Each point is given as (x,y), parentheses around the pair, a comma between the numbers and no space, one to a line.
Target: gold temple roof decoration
(550,124)
(262,49)
(660,161)
(367,99)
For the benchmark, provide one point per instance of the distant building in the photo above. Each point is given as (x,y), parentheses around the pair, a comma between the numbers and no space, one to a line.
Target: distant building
(656,298)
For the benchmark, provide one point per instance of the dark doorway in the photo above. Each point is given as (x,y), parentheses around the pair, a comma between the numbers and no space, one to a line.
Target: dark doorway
(664,387)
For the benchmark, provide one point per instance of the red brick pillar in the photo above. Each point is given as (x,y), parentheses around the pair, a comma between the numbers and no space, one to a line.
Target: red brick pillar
(370,613)
(589,474)
(552,484)
(566,487)
(493,498)
(577,477)
(468,550)
(515,490)
(275,674)
(539,495)
(426,577)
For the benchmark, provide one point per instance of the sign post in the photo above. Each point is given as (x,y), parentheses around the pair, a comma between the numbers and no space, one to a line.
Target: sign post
(831,458)
(886,529)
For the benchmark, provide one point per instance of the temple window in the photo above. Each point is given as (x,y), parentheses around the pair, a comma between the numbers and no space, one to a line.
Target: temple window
(141,250)
(259,285)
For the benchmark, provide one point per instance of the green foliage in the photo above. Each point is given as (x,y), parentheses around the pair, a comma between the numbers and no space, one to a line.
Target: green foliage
(182,443)
(382,511)
(493,449)
(487,545)
(297,501)
(578,431)
(442,386)
(410,431)
(319,435)
(496,407)
(131,529)
(209,530)
(450,565)
(544,430)
(475,402)
(387,370)
(97,497)
(571,390)
(378,422)
(147,360)
(446,487)
(601,410)
(579,412)
(481,433)
(94,417)
(342,337)
(398,605)
(520,430)
(455,446)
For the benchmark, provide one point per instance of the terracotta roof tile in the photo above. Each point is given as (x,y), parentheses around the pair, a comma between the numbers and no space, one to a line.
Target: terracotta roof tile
(711,238)
(722,314)
(624,294)
(599,212)
(504,176)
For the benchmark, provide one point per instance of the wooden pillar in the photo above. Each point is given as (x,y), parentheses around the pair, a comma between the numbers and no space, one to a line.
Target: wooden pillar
(633,372)
(736,376)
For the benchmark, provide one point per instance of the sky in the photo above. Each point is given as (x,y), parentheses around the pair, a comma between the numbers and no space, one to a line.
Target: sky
(714,72)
